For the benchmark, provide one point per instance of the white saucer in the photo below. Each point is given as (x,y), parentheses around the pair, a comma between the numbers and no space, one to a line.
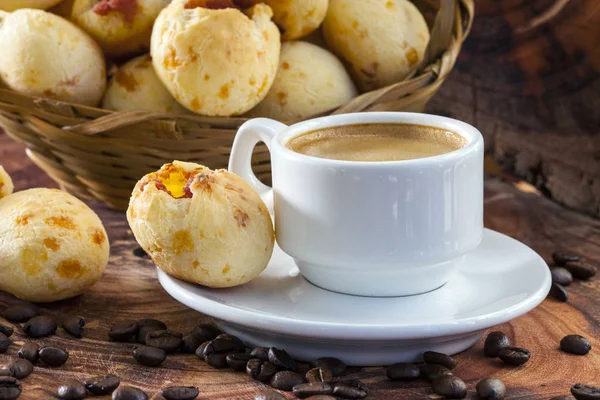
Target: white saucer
(499,281)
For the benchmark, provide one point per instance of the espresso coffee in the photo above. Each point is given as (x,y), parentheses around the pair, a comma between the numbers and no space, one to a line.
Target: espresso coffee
(377,142)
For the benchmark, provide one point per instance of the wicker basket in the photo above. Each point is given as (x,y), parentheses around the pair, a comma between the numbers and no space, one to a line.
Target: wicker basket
(95,153)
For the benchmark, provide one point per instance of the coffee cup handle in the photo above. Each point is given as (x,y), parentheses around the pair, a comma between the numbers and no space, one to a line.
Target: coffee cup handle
(240,161)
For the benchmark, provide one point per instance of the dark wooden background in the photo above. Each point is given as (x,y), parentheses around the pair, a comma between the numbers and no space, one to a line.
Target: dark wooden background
(533,90)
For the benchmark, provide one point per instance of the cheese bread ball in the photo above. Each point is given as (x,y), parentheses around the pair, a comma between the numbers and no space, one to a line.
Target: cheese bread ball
(310,80)
(6,184)
(216,62)
(135,86)
(383,41)
(121,27)
(296,18)
(45,55)
(12,5)
(52,246)
(202,226)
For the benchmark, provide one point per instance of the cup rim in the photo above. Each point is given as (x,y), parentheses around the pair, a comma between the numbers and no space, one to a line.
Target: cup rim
(469,132)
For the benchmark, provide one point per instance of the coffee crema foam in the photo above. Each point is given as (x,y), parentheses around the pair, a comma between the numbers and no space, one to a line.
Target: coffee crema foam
(377,142)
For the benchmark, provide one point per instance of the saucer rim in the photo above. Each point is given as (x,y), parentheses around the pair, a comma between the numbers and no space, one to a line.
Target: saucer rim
(181,291)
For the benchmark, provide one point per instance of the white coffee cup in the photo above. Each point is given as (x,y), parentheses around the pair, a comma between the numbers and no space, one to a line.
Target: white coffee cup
(390,228)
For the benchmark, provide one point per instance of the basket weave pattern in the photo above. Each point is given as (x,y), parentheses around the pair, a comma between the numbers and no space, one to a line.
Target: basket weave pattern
(100,154)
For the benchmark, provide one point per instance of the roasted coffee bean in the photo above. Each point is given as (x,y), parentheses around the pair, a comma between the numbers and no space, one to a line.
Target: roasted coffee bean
(29,351)
(129,393)
(6,330)
(305,390)
(238,361)
(356,383)
(337,367)
(303,367)
(206,332)
(494,342)
(491,389)
(143,332)
(223,345)
(286,380)
(169,341)
(103,384)
(262,353)
(190,343)
(4,343)
(200,350)
(585,392)
(21,312)
(318,375)
(561,258)
(348,392)
(5,372)
(575,344)
(10,388)
(281,359)
(269,395)
(149,356)
(450,386)
(581,270)
(53,356)
(139,252)
(260,370)
(240,347)
(73,325)
(20,368)
(180,393)
(123,331)
(152,322)
(561,276)
(433,357)
(432,372)
(40,326)
(217,360)
(514,356)
(72,389)
(559,292)
(403,372)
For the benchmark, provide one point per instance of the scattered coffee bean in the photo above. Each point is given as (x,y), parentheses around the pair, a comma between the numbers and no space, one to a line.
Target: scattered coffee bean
(20,368)
(304,390)
(73,325)
(303,367)
(561,276)
(102,385)
(349,392)
(169,341)
(561,258)
(191,342)
(581,270)
(575,344)
(206,332)
(123,331)
(286,380)
(10,388)
(402,372)
(238,361)
(29,351)
(491,389)
(129,393)
(4,343)
(431,372)
(53,356)
(225,345)
(262,353)
(5,372)
(21,312)
(559,292)
(72,389)
(200,350)
(514,356)
(585,392)
(149,356)
(6,330)
(139,252)
(40,326)
(450,386)
(180,393)
(143,332)
(433,357)
(337,367)
(318,375)
(281,359)
(354,383)
(260,370)
(240,347)
(269,395)
(217,360)
(494,342)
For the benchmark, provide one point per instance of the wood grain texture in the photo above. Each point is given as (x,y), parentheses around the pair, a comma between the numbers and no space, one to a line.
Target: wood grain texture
(529,78)
(129,290)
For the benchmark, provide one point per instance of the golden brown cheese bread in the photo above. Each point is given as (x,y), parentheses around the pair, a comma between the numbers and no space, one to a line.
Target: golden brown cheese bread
(12,5)
(6,183)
